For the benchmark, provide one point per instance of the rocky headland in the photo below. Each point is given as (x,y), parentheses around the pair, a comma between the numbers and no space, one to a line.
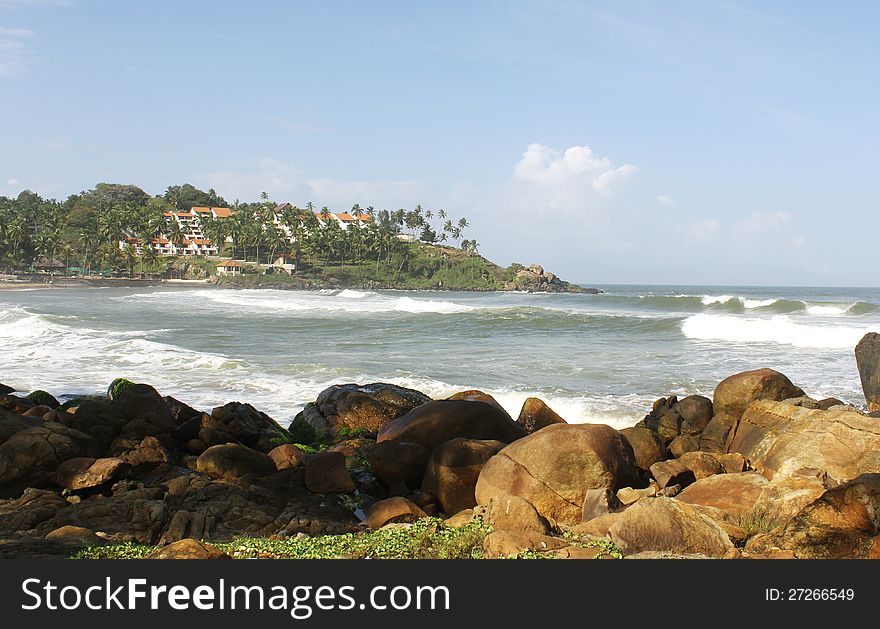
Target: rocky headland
(760,470)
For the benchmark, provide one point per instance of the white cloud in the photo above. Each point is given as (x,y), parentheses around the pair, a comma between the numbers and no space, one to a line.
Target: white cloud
(665,199)
(15,51)
(12,181)
(545,165)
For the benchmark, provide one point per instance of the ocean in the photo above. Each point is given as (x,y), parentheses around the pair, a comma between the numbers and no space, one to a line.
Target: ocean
(593,358)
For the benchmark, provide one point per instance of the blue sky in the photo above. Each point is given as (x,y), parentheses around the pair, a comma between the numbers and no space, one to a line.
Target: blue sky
(681,141)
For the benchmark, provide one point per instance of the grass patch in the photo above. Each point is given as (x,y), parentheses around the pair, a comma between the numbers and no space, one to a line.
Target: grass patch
(428,538)
(755,522)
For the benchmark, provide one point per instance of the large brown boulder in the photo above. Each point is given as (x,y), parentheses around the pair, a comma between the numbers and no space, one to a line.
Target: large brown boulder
(143,401)
(779,439)
(248,426)
(733,494)
(188,549)
(696,410)
(453,469)
(11,423)
(437,422)
(86,472)
(399,461)
(556,466)
(326,474)
(785,496)
(868,362)
(844,523)
(287,456)
(646,445)
(233,461)
(30,456)
(718,433)
(665,524)
(513,513)
(535,414)
(475,395)
(76,535)
(359,408)
(734,394)
(672,472)
(502,544)
(393,510)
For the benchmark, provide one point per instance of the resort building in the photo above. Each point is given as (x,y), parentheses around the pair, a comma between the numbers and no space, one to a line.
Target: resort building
(229,267)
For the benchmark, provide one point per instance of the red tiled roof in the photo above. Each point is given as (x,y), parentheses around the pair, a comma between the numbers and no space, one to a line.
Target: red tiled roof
(228,263)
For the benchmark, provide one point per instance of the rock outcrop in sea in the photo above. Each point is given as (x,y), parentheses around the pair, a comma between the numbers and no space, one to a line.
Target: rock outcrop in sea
(759,470)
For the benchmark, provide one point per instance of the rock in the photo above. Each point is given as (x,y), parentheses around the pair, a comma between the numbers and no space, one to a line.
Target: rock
(682,444)
(784,497)
(696,410)
(117,387)
(188,549)
(6,389)
(138,515)
(86,472)
(701,464)
(392,510)
(734,394)
(475,395)
(78,535)
(535,414)
(779,439)
(41,398)
(732,462)
(148,454)
(350,407)
(37,411)
(249,426)
(182,413)
(555,467)
(399,461)
(598,502)
(234,461)
(829,402)
(512,513)
(287,456)
(95,418)
(460,519)
(733,494)
(437,422)
(30,456)
(537,269)
(868,362)
(16,404)
(141,401)
(672,472)
(666,524)
(11,423)
(34,507)
(501,544)
(718,433)
(326,474)
(627,495)
(647,446)
(668,426)
(844,523)
(452,471)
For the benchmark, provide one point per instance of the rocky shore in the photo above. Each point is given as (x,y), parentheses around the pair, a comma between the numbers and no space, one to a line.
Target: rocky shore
(761,470)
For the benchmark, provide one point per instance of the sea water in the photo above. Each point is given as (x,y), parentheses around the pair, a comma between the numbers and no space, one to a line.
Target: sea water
(594,358)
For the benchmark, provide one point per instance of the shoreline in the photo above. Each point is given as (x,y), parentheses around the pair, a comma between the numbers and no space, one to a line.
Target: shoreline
(305,285)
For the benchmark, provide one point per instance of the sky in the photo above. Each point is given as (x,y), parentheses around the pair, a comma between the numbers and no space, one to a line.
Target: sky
(676,142)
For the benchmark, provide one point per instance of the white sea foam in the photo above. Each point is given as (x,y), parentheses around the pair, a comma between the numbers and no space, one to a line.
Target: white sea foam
(708,300)
(779,329)
(828,310)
